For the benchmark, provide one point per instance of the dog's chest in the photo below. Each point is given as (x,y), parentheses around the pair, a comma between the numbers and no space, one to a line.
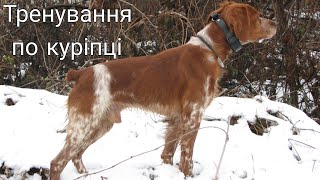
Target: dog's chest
(210,90)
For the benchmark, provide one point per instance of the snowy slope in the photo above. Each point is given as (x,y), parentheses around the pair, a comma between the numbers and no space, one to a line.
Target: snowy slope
(29,138)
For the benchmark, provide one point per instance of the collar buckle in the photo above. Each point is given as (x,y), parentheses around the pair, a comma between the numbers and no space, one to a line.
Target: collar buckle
(220,62)
(215,17)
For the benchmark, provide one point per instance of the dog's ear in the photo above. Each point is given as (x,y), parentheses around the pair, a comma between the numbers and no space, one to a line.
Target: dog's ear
(242,20)
(219,10)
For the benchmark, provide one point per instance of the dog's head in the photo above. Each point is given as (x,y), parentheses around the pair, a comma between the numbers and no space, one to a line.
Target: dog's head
(245,21)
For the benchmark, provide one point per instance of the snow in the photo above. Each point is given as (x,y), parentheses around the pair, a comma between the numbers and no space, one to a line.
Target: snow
(29,138)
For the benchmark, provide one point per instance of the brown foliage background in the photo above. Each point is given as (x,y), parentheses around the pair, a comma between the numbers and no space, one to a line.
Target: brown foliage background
(286,68)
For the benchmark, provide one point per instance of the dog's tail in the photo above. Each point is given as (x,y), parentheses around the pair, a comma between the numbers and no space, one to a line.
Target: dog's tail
(73,75)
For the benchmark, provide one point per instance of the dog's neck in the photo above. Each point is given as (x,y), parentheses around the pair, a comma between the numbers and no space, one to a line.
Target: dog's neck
(212,36)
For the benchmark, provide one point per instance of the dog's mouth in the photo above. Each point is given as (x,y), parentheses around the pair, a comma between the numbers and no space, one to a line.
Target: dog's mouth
(262,40)
(268,36)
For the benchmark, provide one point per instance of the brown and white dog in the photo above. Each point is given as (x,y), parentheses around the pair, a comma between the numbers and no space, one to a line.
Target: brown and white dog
(179,83)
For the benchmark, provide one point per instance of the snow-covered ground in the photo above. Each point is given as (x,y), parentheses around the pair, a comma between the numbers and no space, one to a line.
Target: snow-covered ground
(289,150)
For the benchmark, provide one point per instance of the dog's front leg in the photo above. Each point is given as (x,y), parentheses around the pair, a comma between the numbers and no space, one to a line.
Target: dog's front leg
(188,136)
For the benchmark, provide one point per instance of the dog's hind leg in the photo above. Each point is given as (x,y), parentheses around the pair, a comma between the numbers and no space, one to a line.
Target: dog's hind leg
(171,140)
(77,162)
(61,160)
(83,130)
(104,127)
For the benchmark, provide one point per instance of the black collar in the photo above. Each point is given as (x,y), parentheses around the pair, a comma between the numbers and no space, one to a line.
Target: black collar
(231,38)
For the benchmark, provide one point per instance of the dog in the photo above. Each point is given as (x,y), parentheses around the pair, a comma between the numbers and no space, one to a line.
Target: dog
(179,83)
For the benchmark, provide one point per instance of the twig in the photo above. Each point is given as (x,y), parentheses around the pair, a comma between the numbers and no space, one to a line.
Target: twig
(203,12)
(8,67)
(254,171)
(53,85)
(119,33)
(24,85)
(222,92)
(133,42)
(309,130)
(64,130)
(20,95)
(139,12)
(301,143)
(285,117)
(299,157)
(154,149)
(81,32)
(223,150)
(294,128)
(210,118)
(43,51)
(66,6)
(182,17)
(64,86)
(250,83)
(314,163)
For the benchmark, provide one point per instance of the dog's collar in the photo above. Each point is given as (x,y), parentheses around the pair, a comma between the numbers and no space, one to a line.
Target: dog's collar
(231,38)
(208,45)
